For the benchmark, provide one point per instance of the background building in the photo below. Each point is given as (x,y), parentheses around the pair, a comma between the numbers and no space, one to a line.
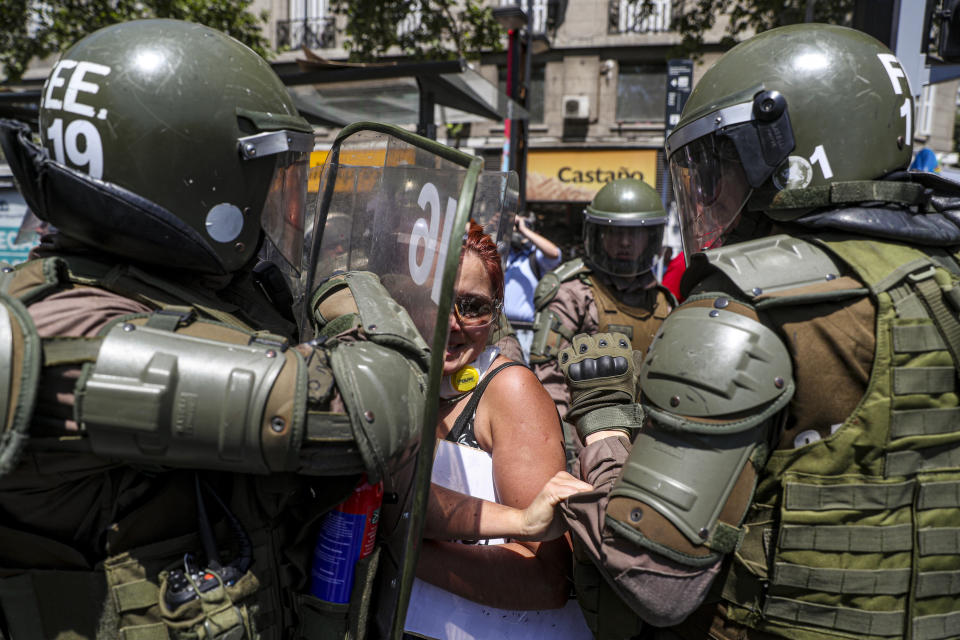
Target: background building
(597,89)
(596,97)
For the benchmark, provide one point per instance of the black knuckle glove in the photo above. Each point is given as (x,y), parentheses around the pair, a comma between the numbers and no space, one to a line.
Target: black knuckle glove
(600,372)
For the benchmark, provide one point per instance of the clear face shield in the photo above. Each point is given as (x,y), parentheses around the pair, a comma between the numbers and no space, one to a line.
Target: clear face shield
(711,189)
(716,161)
(620,250)
(285,207)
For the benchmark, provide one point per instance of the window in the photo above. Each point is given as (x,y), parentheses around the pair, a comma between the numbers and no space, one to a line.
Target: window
(308,9)
(535,88)
(411,22)
(310,25)
(627,16)
(539,10)
(641,93)
(925,110)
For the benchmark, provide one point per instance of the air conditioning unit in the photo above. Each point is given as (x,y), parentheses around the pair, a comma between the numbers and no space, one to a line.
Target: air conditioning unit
(576,107)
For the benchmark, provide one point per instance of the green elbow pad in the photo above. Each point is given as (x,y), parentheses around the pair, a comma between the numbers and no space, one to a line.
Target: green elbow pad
(384,393)
(714,384)
(181,400)
(19,375)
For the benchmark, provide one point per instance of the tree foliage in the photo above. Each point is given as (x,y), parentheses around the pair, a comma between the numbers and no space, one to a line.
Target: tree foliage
(422,29)
(29,28)
(693,19)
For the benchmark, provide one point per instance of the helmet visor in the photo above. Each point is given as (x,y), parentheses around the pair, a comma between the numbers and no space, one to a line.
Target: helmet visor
(285,207)
(621,250)
(711,188)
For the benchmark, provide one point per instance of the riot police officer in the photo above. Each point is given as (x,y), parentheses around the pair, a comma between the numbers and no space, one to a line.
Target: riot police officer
(611,289)
(165,449)
(796,475)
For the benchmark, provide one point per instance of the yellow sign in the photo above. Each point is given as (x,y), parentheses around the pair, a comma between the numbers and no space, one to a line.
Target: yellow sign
(317,158)
(575,175)
(360,159)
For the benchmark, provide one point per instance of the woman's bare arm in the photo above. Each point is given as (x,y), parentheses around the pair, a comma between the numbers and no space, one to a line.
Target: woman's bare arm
(518,424)
(455,516)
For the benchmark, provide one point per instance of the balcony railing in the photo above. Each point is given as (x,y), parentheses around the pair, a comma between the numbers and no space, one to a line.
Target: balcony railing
(631,16)
(313,33)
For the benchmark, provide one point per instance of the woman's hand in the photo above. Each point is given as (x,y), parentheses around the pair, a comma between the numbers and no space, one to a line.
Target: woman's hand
(539,520)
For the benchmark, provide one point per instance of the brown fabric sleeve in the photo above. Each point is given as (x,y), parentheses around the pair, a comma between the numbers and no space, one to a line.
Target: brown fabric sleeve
(832,347)
(510,348)
(80,312)
(660,591)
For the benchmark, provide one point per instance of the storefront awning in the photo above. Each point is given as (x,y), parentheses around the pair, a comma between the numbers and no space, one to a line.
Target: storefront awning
(444,92)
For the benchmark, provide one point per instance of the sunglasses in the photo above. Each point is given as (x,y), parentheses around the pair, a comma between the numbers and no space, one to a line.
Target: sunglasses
(475,311)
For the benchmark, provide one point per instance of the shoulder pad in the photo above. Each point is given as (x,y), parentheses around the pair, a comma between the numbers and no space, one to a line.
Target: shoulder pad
(19,376)
(33,279)
(767,265)
(550,283)
(712,362)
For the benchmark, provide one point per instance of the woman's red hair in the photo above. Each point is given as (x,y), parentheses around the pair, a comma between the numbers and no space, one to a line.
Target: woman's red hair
(483,246)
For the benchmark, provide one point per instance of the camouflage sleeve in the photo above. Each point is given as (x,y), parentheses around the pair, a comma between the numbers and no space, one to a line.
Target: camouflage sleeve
(660,591)
(576,309)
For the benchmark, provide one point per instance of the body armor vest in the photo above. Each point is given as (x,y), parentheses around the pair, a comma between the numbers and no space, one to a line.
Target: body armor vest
(640,323)
(121,594)
(858,534)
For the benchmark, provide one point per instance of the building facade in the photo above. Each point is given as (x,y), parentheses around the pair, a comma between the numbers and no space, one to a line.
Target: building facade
(596,97)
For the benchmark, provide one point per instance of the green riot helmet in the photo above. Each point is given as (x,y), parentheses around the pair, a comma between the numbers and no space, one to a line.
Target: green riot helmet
(169,143)
(623,228)
(797,107)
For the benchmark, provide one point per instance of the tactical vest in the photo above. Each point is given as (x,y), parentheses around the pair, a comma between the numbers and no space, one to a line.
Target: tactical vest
(858,534)
(639,323)
(122,595)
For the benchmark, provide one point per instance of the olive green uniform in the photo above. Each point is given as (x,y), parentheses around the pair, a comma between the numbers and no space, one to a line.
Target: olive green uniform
(167,450)
(793,472)
(87,540)
(832,346)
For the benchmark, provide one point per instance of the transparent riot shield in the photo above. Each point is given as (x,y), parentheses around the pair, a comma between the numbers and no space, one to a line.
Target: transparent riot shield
(397,204)
(496,207)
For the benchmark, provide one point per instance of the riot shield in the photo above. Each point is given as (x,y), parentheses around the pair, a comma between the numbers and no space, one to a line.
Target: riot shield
(496,206)
(397,204)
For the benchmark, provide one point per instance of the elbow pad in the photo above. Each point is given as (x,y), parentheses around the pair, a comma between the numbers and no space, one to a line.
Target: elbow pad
(384,393)
(381,380)
(713,385)
(208,397)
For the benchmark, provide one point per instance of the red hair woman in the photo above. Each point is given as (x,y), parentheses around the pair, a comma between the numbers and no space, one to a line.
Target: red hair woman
(510,416)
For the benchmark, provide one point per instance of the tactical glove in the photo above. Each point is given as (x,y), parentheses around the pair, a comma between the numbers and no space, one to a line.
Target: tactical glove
(600,374)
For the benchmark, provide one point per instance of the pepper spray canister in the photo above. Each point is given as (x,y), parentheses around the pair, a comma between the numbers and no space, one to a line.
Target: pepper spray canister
(348,533)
